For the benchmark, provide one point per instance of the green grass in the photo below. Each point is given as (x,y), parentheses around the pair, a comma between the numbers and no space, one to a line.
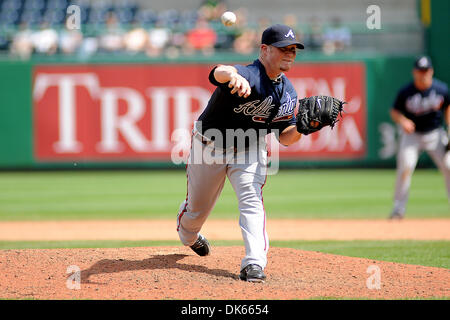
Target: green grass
(310,193)
(426,253)
(304,194)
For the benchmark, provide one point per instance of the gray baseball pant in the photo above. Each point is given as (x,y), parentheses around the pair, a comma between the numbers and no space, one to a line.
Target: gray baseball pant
(205,182)
(411,145)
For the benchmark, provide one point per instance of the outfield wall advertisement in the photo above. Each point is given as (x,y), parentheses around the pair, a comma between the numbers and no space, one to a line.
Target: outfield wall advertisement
(136,114)
(120,113)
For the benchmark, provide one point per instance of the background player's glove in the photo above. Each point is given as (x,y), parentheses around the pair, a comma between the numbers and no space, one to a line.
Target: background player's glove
(317,112)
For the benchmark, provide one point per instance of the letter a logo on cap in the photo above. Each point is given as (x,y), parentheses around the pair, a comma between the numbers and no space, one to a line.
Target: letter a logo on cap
(423,62)
(290,34)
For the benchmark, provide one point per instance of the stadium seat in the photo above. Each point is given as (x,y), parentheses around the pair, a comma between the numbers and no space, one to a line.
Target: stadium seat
(12,5)
(34,5)
(146,17)
(33,17)
(55,16)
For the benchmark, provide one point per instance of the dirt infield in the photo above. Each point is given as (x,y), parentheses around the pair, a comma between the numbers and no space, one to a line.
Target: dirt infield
(166,272)
(177,273)
(282,229)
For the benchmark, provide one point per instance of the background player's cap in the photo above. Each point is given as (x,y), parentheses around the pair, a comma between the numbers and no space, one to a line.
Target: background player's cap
(423,63)
(280,36)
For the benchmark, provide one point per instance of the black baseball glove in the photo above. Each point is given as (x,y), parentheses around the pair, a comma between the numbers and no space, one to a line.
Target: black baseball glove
(317,112)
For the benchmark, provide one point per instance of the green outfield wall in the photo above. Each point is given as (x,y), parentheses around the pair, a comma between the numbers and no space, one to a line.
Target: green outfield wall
(121,112)
(437,31)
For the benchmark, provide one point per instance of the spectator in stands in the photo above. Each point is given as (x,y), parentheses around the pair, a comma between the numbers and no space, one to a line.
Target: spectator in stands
(22,43)
(314,39)
(291,20)
(246,42)
(176,44)
(158,40)
(136,40)
(263,23)
(45,40)
(70,40)
(111,39)
(337,37)
(89,46)
(247,39)
(201,38)
(212,10)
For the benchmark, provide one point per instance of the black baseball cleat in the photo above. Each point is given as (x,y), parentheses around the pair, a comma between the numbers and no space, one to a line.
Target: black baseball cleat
(201,246)
(252,273)
(395,215)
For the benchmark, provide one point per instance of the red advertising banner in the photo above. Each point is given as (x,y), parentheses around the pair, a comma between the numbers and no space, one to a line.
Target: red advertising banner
(136,112)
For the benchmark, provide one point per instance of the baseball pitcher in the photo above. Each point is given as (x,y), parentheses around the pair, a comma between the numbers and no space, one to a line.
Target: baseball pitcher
(228,141)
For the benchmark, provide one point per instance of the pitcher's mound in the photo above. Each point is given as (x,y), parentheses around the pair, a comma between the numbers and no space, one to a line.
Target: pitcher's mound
(177,273)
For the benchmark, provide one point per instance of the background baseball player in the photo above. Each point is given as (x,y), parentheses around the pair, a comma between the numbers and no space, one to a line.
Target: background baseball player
(419,110)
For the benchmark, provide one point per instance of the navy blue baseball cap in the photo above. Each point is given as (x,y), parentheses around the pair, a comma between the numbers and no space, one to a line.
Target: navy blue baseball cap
(280,35)
(423,63)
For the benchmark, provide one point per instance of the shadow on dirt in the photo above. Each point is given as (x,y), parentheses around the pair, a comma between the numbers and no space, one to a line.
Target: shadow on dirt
(156,262)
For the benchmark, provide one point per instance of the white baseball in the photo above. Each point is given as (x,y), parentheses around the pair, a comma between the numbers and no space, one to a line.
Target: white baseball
(228,18)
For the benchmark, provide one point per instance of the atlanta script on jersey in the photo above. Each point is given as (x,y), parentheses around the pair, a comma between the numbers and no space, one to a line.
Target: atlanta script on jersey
(424,108)
(269,106)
